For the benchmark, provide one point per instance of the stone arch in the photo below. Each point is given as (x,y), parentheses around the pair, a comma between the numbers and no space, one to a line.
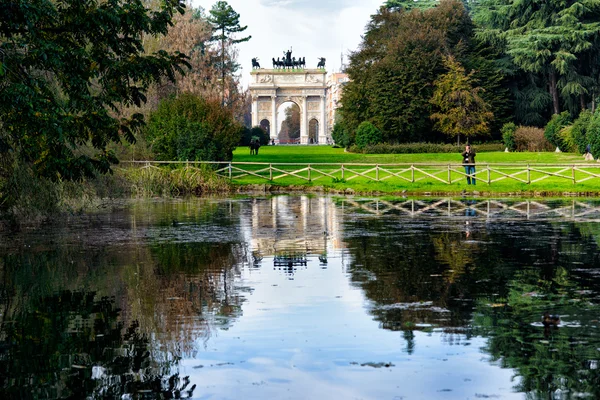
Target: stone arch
(307,89)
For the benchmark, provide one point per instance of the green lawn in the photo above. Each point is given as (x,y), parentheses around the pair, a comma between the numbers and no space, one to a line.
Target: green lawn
(315,155)
(326,154)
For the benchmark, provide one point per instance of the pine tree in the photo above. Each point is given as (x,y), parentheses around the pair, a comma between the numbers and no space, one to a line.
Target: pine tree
(225,24)
(558,40)
(461,108)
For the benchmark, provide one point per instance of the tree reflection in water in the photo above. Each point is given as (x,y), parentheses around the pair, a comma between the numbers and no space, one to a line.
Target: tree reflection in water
(73,346)
(496,282)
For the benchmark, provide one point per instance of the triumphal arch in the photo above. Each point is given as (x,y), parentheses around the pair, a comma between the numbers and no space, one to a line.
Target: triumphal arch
(290,81)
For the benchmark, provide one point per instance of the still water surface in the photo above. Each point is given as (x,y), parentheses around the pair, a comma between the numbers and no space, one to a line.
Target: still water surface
(305,298)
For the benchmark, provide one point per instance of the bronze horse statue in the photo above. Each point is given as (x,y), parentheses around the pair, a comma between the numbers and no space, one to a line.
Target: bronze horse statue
(321,63)
(255,63)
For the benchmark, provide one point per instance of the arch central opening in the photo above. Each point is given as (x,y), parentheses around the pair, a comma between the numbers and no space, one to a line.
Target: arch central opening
(289,127)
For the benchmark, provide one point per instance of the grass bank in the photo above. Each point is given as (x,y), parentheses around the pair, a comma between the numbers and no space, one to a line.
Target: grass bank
(547,186)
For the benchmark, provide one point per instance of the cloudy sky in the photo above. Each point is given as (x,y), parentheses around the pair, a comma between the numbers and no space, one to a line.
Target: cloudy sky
(313,28)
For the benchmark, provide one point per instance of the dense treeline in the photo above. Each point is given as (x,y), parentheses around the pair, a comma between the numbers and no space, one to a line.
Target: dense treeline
(430,71)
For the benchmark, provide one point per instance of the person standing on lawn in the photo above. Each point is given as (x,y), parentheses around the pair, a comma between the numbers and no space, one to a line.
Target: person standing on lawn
(469,164)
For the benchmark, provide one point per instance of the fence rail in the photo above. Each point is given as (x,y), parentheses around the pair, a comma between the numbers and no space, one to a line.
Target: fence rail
(407,172)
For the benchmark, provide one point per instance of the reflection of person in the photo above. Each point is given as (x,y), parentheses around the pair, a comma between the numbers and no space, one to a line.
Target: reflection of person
(469,163)
(467,230)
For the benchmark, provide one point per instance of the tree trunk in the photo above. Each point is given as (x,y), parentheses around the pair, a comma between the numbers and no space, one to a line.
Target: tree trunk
(223,67)
(554,93)
(582,101)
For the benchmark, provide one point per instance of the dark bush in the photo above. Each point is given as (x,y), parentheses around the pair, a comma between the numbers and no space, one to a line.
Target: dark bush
(256,132)
(367,134)
(342,136)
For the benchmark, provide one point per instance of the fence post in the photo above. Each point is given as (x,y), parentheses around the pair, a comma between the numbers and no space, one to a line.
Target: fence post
(528,175)
(488,171)
(377,172)
(309,172)
(573,173)
(229,171)
(342,171)
(449,177)
(412,174)
(271,172)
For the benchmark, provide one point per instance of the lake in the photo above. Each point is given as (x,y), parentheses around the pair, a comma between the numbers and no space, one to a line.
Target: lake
(305,297)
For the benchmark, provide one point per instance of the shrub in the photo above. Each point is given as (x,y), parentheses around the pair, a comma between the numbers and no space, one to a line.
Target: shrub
(255,133)
(192,128)
(413,148)
(529,138)
(566,138)
(553,128)
(341,135)
(580,130)
(367,134)
(593,134)
(508,135)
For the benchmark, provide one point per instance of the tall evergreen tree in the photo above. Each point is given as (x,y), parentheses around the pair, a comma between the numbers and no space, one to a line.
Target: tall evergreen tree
(557,40)
(225,24)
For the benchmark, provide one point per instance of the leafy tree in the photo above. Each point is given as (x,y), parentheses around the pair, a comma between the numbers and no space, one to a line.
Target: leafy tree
(593,133)
(225,24)
(410,4)
(461,108)
(400,57)
(367,134)
(65,68)
(192,128)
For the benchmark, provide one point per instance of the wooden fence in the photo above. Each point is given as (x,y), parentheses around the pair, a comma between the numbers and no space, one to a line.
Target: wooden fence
(413,172)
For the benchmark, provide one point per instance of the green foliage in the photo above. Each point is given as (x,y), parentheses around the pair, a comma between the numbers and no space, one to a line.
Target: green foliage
(341,135)
(579,131)
(553,128)
(391,74)
(422,148)
(461,108)
(192,128)
(67,67)
(367,134)
(508,135)
(189,180)
(255,133)
(555,43)
(593,133)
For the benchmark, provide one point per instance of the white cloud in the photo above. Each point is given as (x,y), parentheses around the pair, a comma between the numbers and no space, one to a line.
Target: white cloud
(313,28)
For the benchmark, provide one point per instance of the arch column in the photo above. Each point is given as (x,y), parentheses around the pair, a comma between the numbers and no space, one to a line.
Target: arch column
(304,122)
(274,127)
(323,122)
(255,120)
